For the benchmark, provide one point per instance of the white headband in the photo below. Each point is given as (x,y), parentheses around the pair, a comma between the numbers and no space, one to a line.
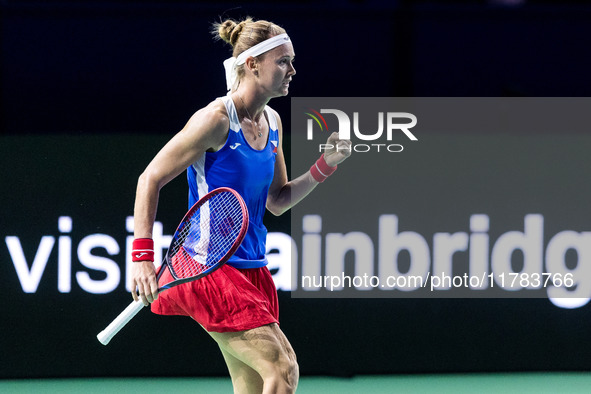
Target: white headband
(231,63)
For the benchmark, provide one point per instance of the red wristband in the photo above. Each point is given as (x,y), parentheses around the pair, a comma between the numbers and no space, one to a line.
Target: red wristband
(142,250)
(320,170)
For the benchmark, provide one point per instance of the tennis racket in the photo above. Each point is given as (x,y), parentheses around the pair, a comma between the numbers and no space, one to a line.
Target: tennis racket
(205,239)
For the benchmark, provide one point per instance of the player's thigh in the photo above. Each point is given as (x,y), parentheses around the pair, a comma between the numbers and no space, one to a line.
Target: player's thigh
(265,348)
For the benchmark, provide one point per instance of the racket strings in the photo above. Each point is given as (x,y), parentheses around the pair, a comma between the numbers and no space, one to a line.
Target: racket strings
(207,236)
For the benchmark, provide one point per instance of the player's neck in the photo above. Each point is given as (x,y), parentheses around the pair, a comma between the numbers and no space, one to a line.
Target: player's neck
(251,103)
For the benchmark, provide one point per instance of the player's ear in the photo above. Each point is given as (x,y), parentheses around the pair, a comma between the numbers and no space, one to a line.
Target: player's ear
(252,64)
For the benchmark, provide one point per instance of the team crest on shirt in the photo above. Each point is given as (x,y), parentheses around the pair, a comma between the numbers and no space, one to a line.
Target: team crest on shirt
(274,146)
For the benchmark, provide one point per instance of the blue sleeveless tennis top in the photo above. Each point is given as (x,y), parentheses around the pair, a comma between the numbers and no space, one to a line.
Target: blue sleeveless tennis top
(248,171)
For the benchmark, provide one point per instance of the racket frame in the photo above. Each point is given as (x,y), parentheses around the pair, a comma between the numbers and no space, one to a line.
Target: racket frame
(134,307)
(224,259)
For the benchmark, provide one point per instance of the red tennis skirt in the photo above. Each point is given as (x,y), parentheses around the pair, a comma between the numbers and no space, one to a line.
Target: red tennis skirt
(227,300)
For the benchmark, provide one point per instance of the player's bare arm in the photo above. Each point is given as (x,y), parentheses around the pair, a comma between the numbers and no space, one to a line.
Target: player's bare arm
(284,194)
(206,130)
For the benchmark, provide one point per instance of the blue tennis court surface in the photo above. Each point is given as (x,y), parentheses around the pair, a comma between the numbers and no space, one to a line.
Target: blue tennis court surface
(521,383)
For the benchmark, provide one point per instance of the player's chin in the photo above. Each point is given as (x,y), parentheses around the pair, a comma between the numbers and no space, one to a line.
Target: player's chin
(284,89)
(281,91)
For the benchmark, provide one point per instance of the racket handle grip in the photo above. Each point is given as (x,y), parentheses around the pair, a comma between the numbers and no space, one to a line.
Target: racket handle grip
(120,321)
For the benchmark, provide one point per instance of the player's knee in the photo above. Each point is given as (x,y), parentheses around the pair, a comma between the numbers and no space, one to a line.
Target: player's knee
(295,374)
(281,375)
(288,373)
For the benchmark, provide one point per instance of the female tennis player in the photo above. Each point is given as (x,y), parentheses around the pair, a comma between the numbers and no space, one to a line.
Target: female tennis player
(235,141)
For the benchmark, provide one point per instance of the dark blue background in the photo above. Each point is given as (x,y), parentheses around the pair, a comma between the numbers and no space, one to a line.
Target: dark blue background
(136,68)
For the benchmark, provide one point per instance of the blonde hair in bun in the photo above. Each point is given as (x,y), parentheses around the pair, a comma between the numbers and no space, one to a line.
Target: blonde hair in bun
(245,34)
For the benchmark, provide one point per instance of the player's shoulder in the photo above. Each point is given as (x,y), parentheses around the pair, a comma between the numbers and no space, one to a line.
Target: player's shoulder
(275,114)
(210,124)
(214,115)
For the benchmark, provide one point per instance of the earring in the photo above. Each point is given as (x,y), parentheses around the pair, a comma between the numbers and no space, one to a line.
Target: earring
(256,73)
